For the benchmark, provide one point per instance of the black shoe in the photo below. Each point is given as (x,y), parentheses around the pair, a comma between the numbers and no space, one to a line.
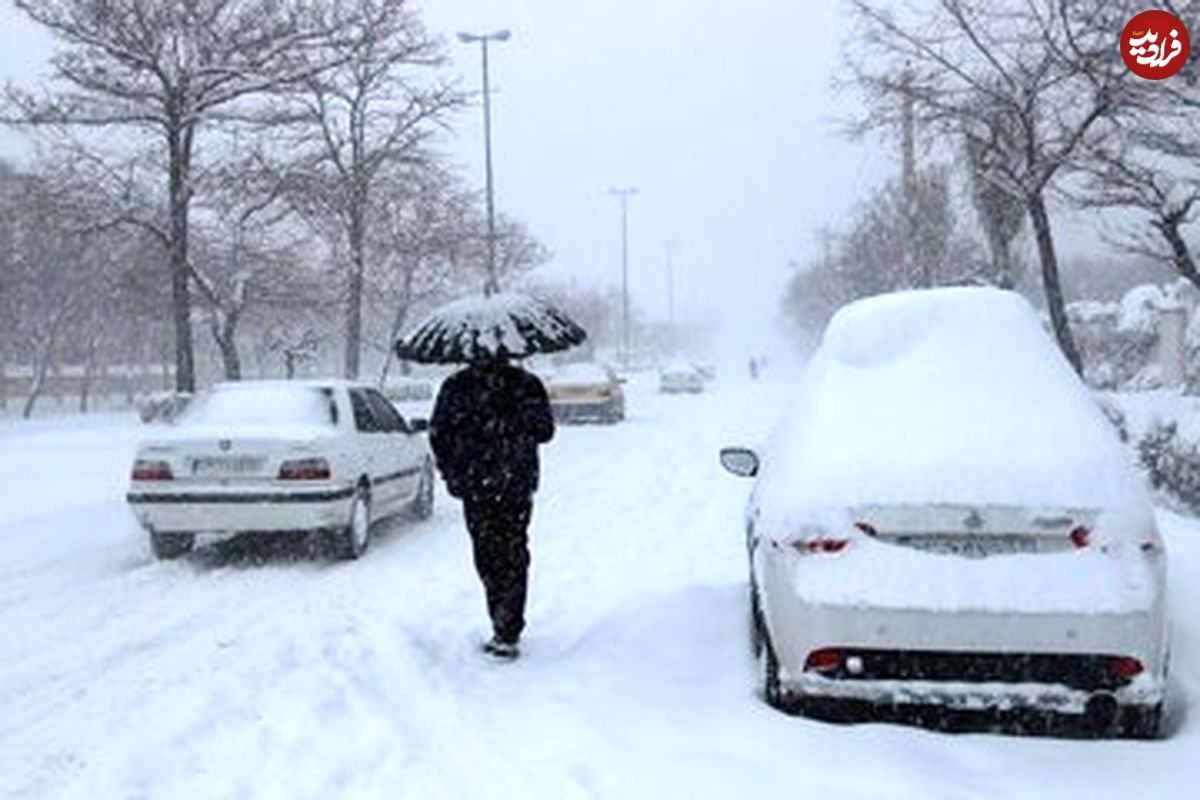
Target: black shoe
(497,648)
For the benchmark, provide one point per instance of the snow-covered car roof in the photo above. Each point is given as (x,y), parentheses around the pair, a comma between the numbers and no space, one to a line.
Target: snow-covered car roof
(266,403)
(680,367)
(580,372)
(944,396)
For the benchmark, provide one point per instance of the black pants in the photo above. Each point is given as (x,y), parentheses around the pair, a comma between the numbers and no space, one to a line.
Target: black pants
(499,531)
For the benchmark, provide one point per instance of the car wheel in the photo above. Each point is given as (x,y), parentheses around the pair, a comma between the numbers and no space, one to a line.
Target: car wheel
(1141,722)
(422,505)
(353,539)
(772,689)
(756,625)
(171,545)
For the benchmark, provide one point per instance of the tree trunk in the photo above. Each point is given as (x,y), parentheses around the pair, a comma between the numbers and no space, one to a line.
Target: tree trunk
(224,331)
(41,368)
(44,358)
(179,143)
(1181,253)
(355,290)
(1001,251)
(398,323)
(89,374)
(1051,284)
(1005,278)
(229,354)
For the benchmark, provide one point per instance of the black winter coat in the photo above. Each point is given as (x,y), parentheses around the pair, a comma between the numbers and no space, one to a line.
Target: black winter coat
(487,423)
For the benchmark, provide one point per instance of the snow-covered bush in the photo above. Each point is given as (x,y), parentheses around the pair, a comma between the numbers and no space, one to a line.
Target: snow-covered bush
(1117,341)
(1172,462)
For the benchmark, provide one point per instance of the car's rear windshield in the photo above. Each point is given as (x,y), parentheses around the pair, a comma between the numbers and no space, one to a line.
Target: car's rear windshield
(580,373)
(263,405)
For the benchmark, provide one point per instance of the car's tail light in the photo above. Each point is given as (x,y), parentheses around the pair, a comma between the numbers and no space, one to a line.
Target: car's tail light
(145,469)
(1124,667)
(1080,536)
(305,469)
(827,659)
(819,545)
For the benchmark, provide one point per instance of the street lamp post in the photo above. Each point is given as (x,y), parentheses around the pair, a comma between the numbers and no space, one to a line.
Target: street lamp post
(624,194)
(492,285)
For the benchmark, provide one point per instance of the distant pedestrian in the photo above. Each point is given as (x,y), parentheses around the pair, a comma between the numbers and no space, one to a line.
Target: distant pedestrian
(488,421)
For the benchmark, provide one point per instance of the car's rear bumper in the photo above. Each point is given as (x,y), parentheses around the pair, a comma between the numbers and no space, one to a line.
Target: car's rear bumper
(1133,721)
(968,696)
(992,659)
(213,510)
(578,411)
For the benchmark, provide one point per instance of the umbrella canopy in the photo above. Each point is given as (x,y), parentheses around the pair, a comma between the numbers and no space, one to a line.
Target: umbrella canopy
(504,324)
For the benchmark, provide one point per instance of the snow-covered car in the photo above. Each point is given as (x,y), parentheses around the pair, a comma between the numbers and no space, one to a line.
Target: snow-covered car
(586,391)
(408,390)
(946,521)
(680,376)
(285,457)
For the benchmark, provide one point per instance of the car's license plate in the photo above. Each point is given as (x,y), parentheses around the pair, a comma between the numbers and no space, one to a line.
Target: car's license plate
(226,465)
(973,545)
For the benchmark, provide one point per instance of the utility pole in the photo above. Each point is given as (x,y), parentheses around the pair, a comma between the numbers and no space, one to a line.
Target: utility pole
(492,285)
(624,195)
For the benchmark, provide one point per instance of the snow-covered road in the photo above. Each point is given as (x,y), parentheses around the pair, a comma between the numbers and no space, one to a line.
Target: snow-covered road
(290,677)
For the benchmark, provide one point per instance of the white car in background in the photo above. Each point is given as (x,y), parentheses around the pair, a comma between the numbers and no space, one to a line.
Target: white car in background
(285,457)
(945,527)
(680,377)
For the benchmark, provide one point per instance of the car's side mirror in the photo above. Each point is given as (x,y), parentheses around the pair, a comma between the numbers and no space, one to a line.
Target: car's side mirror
(741,461)
(418,425)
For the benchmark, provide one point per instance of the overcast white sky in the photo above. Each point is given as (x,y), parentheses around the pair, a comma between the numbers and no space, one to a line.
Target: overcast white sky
(720,113)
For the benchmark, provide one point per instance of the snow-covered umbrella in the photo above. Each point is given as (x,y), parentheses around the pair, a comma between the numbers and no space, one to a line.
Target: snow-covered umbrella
(498,324)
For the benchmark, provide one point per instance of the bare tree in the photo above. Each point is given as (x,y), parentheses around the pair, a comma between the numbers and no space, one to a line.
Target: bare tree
(1031,82)
(420,223)
(246,249)
(55,275)
(1158,176)
(169,69)
(902,236)
(362,124)
(1152,167)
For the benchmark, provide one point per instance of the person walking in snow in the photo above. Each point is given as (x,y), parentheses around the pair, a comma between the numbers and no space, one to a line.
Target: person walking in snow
(488,421)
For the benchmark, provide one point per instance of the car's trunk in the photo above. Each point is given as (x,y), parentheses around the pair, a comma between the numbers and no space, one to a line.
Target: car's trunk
(977,531)
(233,456)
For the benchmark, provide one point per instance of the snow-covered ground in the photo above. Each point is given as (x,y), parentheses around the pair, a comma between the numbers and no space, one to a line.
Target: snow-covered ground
(291,677)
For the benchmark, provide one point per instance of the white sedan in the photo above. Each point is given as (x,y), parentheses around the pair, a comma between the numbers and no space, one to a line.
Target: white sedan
(680,377)
(945,527)
(281,456)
